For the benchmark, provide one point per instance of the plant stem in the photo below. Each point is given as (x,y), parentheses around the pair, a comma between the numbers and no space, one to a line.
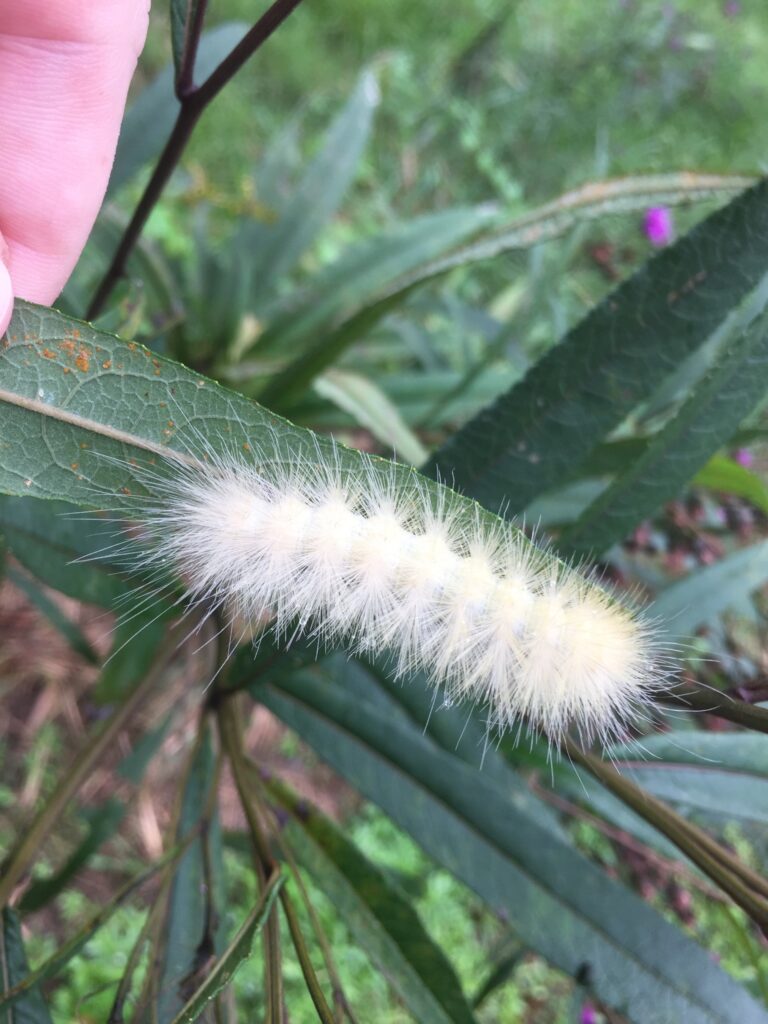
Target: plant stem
(194,100)
(231,739)
(720,704)
(745,887)
(185,79)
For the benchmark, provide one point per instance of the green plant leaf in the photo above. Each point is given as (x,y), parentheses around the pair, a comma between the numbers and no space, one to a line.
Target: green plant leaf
(719,402)
(103,821)
(370,408)
(82,414)
(708,773)
(26,982)
(454,729)
(57,618)
(378,914)
(705,790)
(233,957)
(724,474)
(353,293)
(731,751)
(541,431)
(49,541)
(319,193)
(30,1008)
(183,13)
(149,120)
(553,219)
(191,931)
(704,595)
(560,904)
(413,394)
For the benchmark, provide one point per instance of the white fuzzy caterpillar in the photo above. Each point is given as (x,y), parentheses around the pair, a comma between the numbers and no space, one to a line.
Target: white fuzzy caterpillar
(359,561)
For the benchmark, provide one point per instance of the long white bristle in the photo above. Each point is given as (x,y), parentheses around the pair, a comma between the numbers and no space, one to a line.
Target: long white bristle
(356,562)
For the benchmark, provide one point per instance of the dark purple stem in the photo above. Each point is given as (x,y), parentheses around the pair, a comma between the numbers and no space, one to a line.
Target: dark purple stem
(185,83)
(193,103)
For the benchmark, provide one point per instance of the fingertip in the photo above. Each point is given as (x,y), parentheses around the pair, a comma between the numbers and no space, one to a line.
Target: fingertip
(6,298)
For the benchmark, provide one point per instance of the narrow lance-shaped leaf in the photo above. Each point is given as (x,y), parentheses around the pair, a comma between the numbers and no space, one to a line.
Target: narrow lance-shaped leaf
(320,191)
(238,951)
(371,409)
(539,433)
(731,389)
(562,905)
(82,412)
(704,595)
(30,1008)
(58,548)
(190,930)
(53,613)
(353,293)
(183,16)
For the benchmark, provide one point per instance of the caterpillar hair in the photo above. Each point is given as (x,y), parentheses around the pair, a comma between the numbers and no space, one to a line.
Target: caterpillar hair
(359,559)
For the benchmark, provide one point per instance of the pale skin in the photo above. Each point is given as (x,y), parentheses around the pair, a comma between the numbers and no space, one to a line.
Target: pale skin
(65,68)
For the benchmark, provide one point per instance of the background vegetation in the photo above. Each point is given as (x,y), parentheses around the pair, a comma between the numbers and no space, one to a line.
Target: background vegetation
(382,223)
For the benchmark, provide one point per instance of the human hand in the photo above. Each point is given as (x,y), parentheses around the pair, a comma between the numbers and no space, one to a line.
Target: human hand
(65,67)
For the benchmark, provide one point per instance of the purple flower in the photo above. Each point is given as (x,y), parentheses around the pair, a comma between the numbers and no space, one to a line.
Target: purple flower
(588,1014)
(732,8)
(658,226)
(743,457)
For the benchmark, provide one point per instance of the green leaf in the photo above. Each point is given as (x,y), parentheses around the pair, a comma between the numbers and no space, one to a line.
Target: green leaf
(706,791)
(233,957)
(724,474)
(378,914)
(59,548)
(731,751)
(82,413)
(149,120)
(371,408)
(453,729)
(103,821)
(30,1008)
(352,294)
(704,595)
(561,905)
(722,774)
(543,429)
(190,930)
(318,195)
(414,395)
(732,388)
(68,629)
(26,982)
(183,15)
(553,219)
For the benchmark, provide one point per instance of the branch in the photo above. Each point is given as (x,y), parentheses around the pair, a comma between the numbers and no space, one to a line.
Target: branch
(193,101)
(745,887)
(715,703)
(185,79)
